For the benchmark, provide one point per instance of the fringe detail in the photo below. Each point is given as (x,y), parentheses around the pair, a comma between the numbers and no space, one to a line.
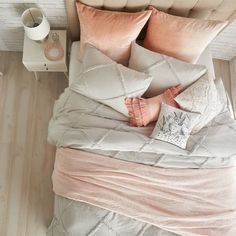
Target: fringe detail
(170,94)
(139,111)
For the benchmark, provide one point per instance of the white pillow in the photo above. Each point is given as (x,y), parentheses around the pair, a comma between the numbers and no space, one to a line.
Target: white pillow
(105,81)
(174,125)
(201,97)
(166,71)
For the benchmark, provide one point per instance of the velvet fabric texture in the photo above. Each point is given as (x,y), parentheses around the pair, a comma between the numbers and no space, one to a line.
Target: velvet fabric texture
(180,37)
(144,111)
(184,201)
(109,31)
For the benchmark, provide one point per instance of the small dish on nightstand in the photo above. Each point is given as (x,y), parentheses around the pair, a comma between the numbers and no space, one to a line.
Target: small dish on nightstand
(53,50)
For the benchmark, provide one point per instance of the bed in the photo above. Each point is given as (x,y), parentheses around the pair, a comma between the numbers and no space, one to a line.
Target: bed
(143,186)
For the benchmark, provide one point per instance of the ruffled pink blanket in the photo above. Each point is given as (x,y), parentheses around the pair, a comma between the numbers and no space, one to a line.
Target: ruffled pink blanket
(184,201)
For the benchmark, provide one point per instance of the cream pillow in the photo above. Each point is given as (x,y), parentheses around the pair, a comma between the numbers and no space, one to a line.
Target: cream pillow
(166,71)
(174,125)
(107,82)
(201,97)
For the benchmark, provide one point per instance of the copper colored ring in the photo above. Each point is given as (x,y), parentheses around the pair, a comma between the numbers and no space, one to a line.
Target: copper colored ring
(51,46)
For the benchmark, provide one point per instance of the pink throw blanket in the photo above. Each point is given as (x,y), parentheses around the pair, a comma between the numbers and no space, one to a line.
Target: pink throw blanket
(184,201)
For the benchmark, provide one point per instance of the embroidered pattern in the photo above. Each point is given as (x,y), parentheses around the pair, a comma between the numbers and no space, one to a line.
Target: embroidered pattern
(173,126)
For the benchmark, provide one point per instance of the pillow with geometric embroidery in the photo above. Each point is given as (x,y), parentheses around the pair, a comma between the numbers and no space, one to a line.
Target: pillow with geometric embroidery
(107,82)
(166,71)
(174,125)
(201,97)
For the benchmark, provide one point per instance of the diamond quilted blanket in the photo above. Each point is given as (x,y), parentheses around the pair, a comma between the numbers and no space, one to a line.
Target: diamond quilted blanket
(79,122)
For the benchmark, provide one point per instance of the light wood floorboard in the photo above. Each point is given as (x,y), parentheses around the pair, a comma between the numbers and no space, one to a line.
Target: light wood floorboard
(26,159)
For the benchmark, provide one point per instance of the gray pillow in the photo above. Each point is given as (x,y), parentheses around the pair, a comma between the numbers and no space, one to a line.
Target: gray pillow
(166,71)
(107,82)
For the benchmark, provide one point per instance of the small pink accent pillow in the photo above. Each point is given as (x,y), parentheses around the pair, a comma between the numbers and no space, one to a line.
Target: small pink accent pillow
(144,111)
(109,31)
(180,37)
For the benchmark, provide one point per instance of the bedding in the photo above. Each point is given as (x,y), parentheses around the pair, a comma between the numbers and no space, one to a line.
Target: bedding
(111,32)
(85,124)
(81,123)
(180,37)
(142,192)
(166,71)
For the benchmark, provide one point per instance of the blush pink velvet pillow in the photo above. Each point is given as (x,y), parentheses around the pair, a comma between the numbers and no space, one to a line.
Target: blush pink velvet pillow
(110,32)
(180,37)
(144,111)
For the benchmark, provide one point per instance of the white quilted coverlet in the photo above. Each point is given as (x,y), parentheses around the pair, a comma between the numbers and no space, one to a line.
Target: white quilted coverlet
(82,123)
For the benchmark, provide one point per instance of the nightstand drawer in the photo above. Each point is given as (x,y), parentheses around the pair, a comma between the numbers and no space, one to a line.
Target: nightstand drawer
(59,66)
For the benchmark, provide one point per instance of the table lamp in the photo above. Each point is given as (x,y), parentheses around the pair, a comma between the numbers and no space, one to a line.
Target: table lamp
(35,24)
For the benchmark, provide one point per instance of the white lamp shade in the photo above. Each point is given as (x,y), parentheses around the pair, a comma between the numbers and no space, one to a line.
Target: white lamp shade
(35,24)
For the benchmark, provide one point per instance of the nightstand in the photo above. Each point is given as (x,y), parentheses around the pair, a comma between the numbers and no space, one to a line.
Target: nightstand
(35,60)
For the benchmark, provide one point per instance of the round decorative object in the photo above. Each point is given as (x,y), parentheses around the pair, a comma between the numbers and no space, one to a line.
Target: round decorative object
(54,51)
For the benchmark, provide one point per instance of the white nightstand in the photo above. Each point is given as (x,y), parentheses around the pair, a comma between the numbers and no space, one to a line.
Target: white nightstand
(35,60)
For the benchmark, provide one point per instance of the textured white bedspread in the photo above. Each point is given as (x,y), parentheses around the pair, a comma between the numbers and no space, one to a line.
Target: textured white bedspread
(81,123)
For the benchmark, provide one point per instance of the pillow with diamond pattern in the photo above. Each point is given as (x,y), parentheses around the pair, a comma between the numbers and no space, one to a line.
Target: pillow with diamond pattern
(166,71)
(107,82)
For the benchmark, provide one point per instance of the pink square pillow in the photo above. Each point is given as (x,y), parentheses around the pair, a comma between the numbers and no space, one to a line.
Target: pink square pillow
(180,37)
(144,111)
(109,31)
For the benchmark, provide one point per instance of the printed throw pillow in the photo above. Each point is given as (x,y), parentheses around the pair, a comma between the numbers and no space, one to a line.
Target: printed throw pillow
(174,125)
(201,97)
(107,82)
(111,32)
(166,71)
(180,37)
(143,111)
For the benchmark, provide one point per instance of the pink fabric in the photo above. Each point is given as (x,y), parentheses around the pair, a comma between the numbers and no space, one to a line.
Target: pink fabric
(109,31)
(144,111)
(180,37)
(185,201)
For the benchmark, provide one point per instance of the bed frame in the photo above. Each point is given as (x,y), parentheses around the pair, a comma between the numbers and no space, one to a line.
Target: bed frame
(202,9)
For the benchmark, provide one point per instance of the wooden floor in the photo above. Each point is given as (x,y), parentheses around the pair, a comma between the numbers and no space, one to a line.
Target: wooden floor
(26,159)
